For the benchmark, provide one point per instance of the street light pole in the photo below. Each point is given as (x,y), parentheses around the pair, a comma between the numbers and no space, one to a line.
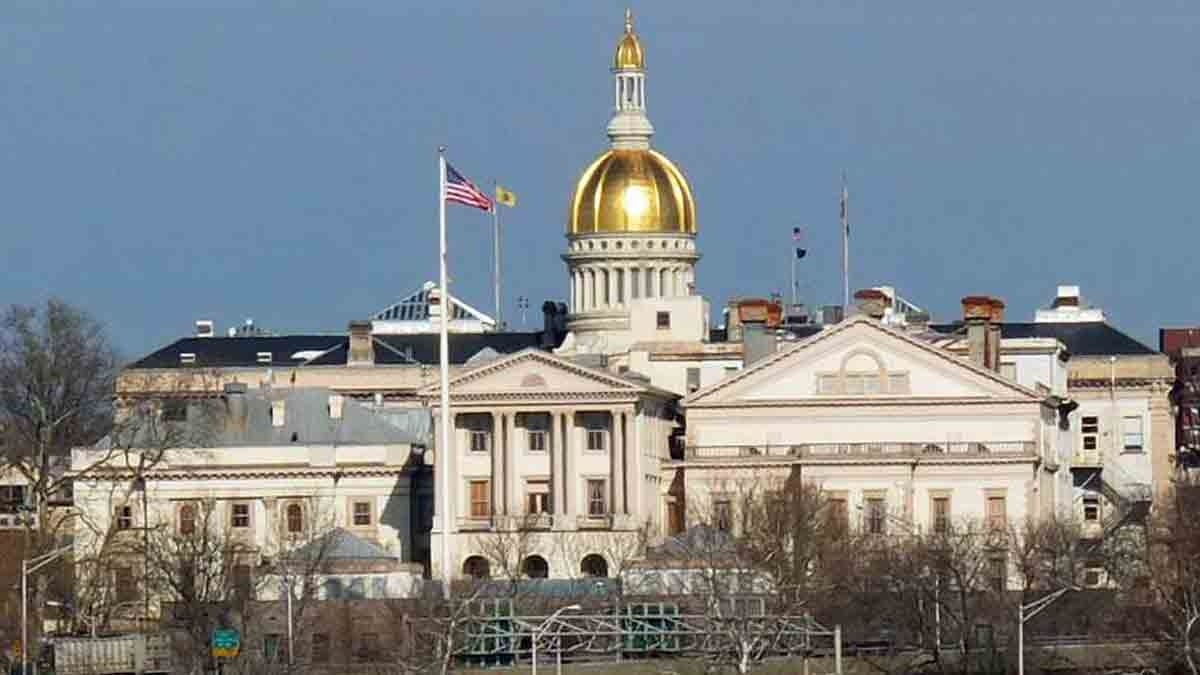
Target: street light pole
(1027,612)
(537,634)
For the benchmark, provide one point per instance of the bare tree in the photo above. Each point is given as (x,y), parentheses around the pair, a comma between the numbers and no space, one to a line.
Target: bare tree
(1174,580)
(58,374)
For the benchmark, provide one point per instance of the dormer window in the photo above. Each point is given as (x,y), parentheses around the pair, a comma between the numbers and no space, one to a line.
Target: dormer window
(187,358)
(263,357)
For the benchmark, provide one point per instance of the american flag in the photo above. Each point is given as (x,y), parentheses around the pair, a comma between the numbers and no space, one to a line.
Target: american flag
(462,191)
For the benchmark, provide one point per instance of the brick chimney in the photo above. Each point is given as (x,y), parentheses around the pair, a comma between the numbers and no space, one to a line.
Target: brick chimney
(983,316)
(873,302)
(362,353)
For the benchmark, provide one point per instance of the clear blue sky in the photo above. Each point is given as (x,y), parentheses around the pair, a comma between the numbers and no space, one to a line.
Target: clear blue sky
(167,161)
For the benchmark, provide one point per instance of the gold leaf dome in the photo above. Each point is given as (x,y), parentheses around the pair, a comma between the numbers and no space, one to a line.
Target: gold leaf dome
(629,55)
(632,191)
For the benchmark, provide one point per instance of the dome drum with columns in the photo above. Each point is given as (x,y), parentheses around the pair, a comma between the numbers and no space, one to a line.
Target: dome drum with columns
(631,227)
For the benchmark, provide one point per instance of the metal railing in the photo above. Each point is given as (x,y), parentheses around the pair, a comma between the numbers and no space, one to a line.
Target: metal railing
(501,639)
(865,450)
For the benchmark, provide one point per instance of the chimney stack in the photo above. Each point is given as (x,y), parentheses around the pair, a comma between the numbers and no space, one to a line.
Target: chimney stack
(361,351)
(873,302)
(983,316)
(235,405)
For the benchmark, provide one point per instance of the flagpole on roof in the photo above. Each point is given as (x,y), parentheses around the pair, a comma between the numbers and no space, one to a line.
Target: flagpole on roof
(443,445)
(845,224)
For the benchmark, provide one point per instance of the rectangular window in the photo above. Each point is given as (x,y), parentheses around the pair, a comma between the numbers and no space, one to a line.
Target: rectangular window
(124,517)
(596,439)
(362,513)
(1131,433)
(998,574)
(675,516)
(876,515)
(1090,429)
(271,648)
(12,497)
(320,648)
(240,515)
(941,515)
(663,320)
(243,582)
(125,584)
(174,411)
(723,515)
(997,514)
(597,502)
(1091,509)
(481,498)
(187,520)
(368,647)
(481,441)
(693,379)
(839,517)
(537,440)
(537,497)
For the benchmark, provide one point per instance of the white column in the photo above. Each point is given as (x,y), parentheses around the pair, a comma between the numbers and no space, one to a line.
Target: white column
(555,446)
(585,276)
(613,300)
(571,281)
(512,478)
(617,453)
(497,451)
(570,470)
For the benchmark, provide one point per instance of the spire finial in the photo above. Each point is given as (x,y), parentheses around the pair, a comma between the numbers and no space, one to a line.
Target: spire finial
(628,20)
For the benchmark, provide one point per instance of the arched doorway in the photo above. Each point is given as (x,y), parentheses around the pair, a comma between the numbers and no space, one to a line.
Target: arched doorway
(477,567)
(535,567)
(594,565)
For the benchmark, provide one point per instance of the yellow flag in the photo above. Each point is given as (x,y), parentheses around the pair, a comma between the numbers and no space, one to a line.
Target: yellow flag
(505,196)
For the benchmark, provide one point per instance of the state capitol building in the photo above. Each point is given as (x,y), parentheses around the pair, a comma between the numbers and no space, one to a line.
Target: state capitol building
(629,418)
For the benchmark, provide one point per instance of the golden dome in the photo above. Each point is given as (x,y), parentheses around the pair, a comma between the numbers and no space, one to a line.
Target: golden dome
(634,191)
(629,54)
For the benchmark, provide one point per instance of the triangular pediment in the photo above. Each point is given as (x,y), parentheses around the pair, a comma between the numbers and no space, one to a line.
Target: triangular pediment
(860,359)
(534,371)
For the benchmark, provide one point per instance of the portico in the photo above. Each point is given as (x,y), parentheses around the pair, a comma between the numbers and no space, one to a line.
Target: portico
(542,444)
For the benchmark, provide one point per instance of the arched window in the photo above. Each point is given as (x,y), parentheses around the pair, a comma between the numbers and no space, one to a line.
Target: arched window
(536,567)
(295,519)
(477,567)
(187,520)
(594,565)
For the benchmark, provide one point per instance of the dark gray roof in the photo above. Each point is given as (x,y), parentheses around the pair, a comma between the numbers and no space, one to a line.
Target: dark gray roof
(330,350)
(1090,338)
(306,420)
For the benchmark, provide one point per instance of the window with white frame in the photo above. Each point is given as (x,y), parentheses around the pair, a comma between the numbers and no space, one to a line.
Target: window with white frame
(481,440)
(1131,433)
(362,513)
(1089,429)
(537,497)
(1091,509)
(537,434)
(124,517)
(239,515)
(597,489)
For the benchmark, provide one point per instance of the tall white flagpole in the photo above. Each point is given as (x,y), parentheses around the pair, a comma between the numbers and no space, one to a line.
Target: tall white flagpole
(496,256)
(443,451)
